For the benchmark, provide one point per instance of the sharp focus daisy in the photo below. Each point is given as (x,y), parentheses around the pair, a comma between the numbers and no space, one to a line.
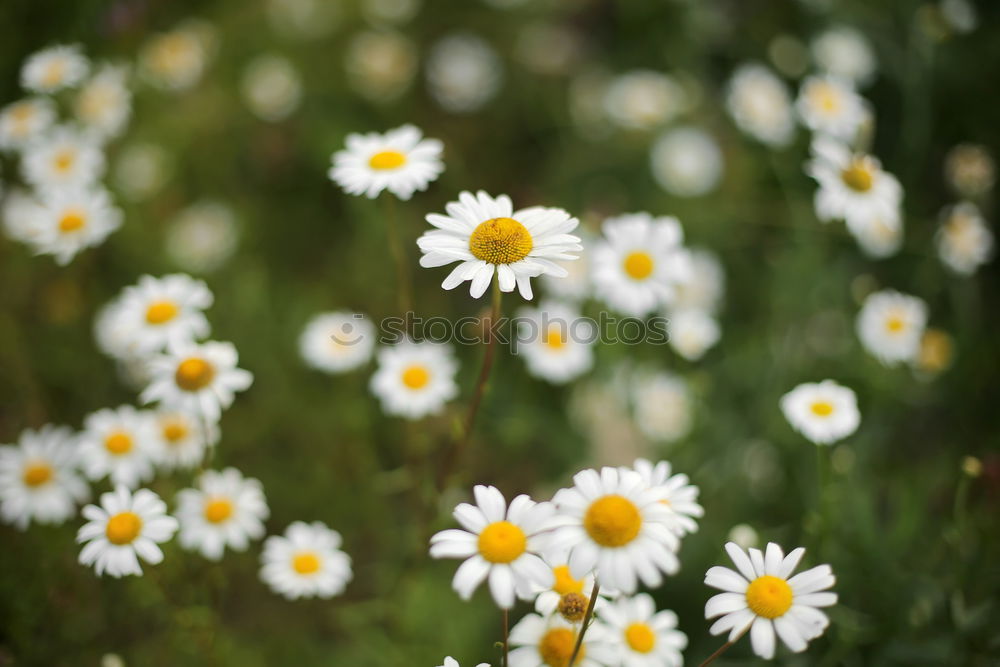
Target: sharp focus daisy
(54,68)
(761,105)
(201,379)
(25,121)
(337,342)
(124,528)
(824,412)
(762,595)
(829,106)
(486,236)
(499,543)
(964,241)
(305,562)
(225,510)
(62,158)
(639,262)
(662,406)
(414,380)
(549,642)
(556,341)
(104,103)
(400,161)
(693,333)
(118,444)
(160,312)
(644,637)
(182,439)
(613,523)
(676,492)
(891,324)
(38,478)
(72,219)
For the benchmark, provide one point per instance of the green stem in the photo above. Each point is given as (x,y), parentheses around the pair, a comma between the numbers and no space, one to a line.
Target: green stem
(586,622)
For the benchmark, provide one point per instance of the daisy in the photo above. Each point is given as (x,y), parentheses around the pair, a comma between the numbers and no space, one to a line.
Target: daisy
(141,170)
(203,236)
(693,333)
(823,412)
(125,527)
(305,562)
(118,444)
(463,72)
(451,662)
(964,242)
(499,542)
(38,478)
(21,215)
(643,99)
(852,187)
(183,439)
(414,380)
(762,597)
(845,53)
(686,162)
(62,158)
(644,637)
(175,60)
(54,68)
(549,642)
(614,523)
(160,312)
(706,286)
(25,121)
(226,510)
(72,219)
(760,105)
(676,492)
(272,87)
(485,235)
(104,103)
(638,263)
(881,235)
(201,379)
(380,64)
(829,106)
(400,161)
(337,342)
(662,406)
(566,594)
(890,325)
(555,341)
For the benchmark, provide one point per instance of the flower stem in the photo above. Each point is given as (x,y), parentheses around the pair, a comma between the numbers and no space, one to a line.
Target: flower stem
(403,287)
(506,633)
(725,647)
(586,622)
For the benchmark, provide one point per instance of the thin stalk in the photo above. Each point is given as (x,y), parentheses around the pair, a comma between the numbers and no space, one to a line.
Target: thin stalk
(506,633)
(404,295)
(725,647)
(586,622)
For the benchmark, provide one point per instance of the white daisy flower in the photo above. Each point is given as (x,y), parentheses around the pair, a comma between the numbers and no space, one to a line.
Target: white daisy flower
(305,562)
(891,324)
(762,597)
(203,236)
(463,72)
(565,587)
(706,286)
(686,162)
(175,60)
(226,510)
(485,235)
(104,103)
(644,637)
(400,161)
(676,492)
(970,170)
(451,662)
(693,333)
(829,106)
(160,312)
(662,406)
(500,543)
(72,219)
(118,444)
(141,170)
(964,241)
(542,642)
(25,121)
(556,341)
(615,524)
(761,105)
(643,99)
(63,158)
(38,478)
(880,235)
(183,439)
(381,64)
(22,216)
(414,380)
(575,286)
(845,53)
(272,87)
(54,68)
(337,342)
(200,379)
(639,262)
(824,412)
(124,528)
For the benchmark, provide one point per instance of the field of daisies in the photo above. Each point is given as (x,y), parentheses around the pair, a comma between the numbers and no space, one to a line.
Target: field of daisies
(519,333)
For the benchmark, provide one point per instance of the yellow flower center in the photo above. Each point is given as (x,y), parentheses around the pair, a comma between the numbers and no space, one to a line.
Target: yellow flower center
(54,73)
(553,338)
(416,376)
(895,324)
(859,175)
(118,443)
(638,265)
(640,637)
(573,607)
(194,374)
(565,583)
(36,474)
(22,113)
(612,521)
(769,596)
(556,647)
(822,408)
(306,562)
(174,431)
(64,161)
(124,527)
(825,97)
(161,312)
(71,222)
(501,241)
(218,510)
(502,542)
(386,160)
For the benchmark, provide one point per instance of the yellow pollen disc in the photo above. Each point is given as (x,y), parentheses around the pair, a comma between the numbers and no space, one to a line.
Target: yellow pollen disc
(416,377)
(822,408)
(124,527)
(769,596)
(218,510)
(825,97)
(174,431)
(387,160)
(161,312)
(64,161)
(638,265)
(895,324)
(565,583)
(118,443)
(54,73)
(72,222)
(37,474)
(502,542)
(858,176)
(501,241)
(640,637)
(306,562)
(612,521)
(556,647)
(22,113)
(194,374)
(554,338)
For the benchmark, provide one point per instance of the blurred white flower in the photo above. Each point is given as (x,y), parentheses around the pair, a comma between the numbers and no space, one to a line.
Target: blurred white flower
(401,161)
(547,48)
(829,106)
(176,60)
(62,158)
(761,105)
(555,341)
(824,412)
(104,103)
(72,219)
(674,491)
(22,216)
(271,87)
(880,235)
(118,444)
(202,236)
(123,528)
(846,53)
(141,170)
(692,333)
(390,11)
(960,15)
(662,406)
(890,326)
(643,99)
(743,535)
(381,65)
(225,510)
(54,68)
(25,121)
(575,286)
(970,170)
(305,562)
(158,312)
(337,342)
(303,19)
(706,286)
(644,637)
(182,438)
(414,380)
(463,72)
(686,162)
(964,241)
